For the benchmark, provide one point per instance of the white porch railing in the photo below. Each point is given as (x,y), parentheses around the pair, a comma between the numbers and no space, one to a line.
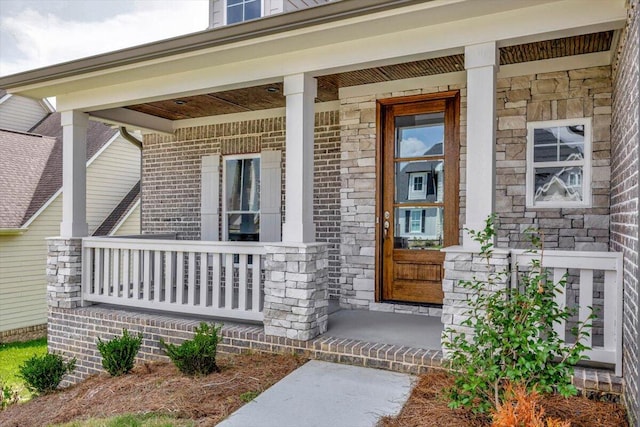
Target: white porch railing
(221,279)
(586,272)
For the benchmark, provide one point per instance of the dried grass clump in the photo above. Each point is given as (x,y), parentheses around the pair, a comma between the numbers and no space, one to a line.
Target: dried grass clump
(522,409)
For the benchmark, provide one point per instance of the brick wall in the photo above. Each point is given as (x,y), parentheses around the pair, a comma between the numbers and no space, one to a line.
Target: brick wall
(552,96)
(624,201)
(171,175)
(358,197)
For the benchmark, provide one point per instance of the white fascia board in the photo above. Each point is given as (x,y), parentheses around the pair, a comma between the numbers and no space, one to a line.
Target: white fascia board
(125,217)
(134,119)
(191,74)
(5,97)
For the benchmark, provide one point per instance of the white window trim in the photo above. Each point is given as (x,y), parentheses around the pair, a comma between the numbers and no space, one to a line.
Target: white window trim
(225,219)
(586,201)
(224,12)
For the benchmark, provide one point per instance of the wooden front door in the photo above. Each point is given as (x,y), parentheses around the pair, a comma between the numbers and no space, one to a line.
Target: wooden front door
(418,201)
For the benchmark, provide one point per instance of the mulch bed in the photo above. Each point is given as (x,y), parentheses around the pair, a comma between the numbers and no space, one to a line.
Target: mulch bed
(427,407)
(158,388)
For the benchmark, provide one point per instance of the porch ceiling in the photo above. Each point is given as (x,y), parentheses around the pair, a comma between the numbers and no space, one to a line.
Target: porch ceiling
(271,96)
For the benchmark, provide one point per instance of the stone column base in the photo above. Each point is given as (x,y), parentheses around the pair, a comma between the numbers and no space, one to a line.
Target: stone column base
(460,265)
(64,272)
(296,293)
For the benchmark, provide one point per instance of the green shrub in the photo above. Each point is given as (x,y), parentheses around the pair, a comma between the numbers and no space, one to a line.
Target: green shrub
(118,355)
(196,356)
(513,337)
(43,374)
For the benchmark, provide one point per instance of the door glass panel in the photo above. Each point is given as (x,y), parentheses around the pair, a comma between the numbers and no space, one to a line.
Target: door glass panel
(419,228)
(420,181)
(419,135)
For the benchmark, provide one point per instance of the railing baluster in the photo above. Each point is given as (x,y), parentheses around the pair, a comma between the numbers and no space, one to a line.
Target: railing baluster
(204,276)
(228,281)
(146,273)
(561,300)
(115,273)
(255,283)
(136,274)
(609,309)
(180,278)
(106,268)
(168,276)
(586,300)
(215,281)
(242,282)
(191,289)
(126,253)
(87,272)
(157,276)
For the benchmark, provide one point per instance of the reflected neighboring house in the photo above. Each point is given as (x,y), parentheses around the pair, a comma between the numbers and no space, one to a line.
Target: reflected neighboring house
(31,204)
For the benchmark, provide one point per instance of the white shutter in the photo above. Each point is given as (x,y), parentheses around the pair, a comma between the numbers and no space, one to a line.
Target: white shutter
(270,197)
(209,198)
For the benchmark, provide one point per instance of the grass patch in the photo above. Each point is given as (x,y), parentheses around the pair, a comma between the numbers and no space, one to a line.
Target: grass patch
(131,420)
(13,355)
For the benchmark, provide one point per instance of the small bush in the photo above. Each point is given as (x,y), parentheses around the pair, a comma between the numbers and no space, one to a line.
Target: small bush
(43,374)
(513,337)
(196,356)
(248,396)
(118,355)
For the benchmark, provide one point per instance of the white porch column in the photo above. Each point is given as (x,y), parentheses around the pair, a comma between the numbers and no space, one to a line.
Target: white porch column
(481,63)
(300,90)
(74,174)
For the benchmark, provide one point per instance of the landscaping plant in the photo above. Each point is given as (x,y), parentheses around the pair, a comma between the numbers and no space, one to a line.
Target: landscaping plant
(8,395)
(118,355)
(43,374)
(513,338)
(196,356)
(521,408)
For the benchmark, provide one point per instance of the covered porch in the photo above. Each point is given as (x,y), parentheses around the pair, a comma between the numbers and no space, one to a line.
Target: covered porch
(309,104)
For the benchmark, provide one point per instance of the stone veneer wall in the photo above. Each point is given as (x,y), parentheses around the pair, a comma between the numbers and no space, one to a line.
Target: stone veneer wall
(358,197)
(552,96)
(624,200)
(171,175)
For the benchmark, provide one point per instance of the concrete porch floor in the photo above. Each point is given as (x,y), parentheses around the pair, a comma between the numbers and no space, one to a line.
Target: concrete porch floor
(387,328)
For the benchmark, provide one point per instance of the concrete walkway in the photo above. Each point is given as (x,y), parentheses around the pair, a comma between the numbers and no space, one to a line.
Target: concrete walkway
(322,394)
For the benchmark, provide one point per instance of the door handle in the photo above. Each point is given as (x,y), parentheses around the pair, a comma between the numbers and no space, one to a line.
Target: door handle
(386,229)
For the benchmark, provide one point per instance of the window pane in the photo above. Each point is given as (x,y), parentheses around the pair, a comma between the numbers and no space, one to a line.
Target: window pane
(244,227)
(419,228)
(233,177)
(232,2)
(234,14)
(545,136)
(571,141)
(251,185)
(558,184)
(420,135)
(420,181)
(242,184)
(545,153)
(252,10)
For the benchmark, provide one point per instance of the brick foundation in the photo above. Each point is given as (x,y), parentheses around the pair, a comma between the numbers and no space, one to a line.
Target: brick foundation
(73,333)
(27,333)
